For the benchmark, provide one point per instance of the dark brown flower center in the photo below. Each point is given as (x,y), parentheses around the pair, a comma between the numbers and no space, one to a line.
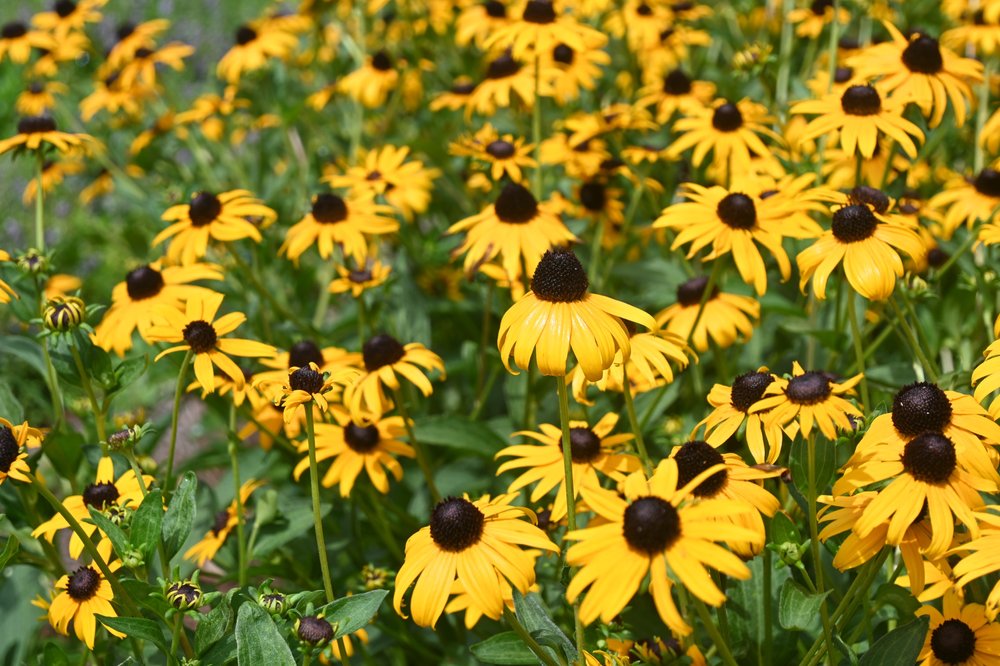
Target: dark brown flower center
(842,74)
(362,439)
(221,522)
(689,293)
(83,584)
(381,61)
(245,34)
(463,88)
(456,524)
(920,407)
(651,525)
(584,445)
(563,54)
(936,257)
(329,208)
(737,211)
(502,67)
(953,642)
(13,30)
(306,379)
(559,277)
(184,595)
(539,11)
(500,149)
(988,183)
(593,196)
(748,388)
(143,282)
(644,10)
(495,9)
(100,495)
(124,30)
(359,276)
(808,388)
(143,53)
(381,350)
(516,204)
(854,223)
(877,199)
(205,208)
(923,55)
(930,458)
(676,83)
(303,353)
(315,630)
(693,458)
(35,125)
(727,118)
(819,7)
(64,8)
(200,336)
(9,450)
(36,87)
(861,101)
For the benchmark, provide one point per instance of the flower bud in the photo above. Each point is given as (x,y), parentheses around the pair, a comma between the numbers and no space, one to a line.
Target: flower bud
(274,603)
(314,630)
(184,595)
(64,313)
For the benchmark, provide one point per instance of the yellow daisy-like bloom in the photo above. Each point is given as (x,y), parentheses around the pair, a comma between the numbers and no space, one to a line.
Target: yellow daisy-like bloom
(506,78)
(968,200)
(222,525)
(224,385)
(726,317)
(732,409)
(579,69)
(82,595)
(105,494)
(69,15)
(68,48)
(809,22)
(560,314)
(504,154)
(110,96)
(53,174)
(918,70)
(516,227)
(39,97)
(990,136)
(456,97)
(979,34)
(220,217)
(141,69)
(461,600)
(307,385)
(812,398)
(199,332)
(985,378)
(594,449)
(405,184)
(385,360)
(478,21)
(737,481)
(6,291)
(372,84)
(359,280)
(131,38)
(959,635)
(674,93)
(729,131)
(334,220)
(17,40)
(579,159)
(209,112)
(478,543)
(256,43)
(14,440)
(865,240)
(372,448)
(859,114)
(40,132)
(640,22)
(540,30)
(653,530)
(300,355)
(134,301)
(733,222)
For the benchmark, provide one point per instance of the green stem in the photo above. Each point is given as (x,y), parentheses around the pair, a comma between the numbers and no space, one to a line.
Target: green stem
(526,637)
(178,393)
(813,537)
(234,459)
(859,348)
(713,632)
(766,592)
(640,444)
(175,638)
(567,454)
(323,302)
(425,466)
(57,402)
(342,646)
(595,251)
(88,387)
(39,204)
(911,339)
(314,491)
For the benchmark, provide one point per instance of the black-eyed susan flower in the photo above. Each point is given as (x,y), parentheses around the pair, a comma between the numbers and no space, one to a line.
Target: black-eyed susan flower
(385,361)
(505,155)
(977,33)
(308,386)
(986,375)
(733,222)
(17,40)
(456,97)
(479,20)
(640,22)
(859,114)
(676,92)
(82,596)
(106,494)
(516,227)
(54,172)
(367,275)
(917,69)
(959,634)
(654,530)
(354,448)
(141,69)
(69,15)
(6,291)
(372,82)
(197,331)
(110,96)
(461,600)
(506,80)
(594,450)
(559,313)
(255,44)
(336,221)
(207,217)
(39,97)
(726,317)
(478,543)
(968,200)
(580,69)
(132,37)
(810,399)
(732,409)
(226,385)
(14,442)
(389,172)
(40,132)
(539,30)
(810,21)
(222,525)
(865,241)
(134,301)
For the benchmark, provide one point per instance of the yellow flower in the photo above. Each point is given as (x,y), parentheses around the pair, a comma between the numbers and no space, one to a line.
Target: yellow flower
(40,132)
(6,291)
(726,317)
(39,97)
(540,30)
(404,183)
(732,409)
(69,15)
(17,40)
(372,84)
(82,596)
(223,524)
(307,385)
(385,360)
(959,634)
(334,220)
(359,280)
(811,397)
(14,439)
(255,43)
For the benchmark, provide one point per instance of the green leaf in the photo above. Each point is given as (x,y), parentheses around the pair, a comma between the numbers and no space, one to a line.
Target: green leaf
(53,655)
(797,608)
(535,618)
(137,627)
(25,349)
(348,614)
(179,518)
(826,466)
(223,652)
(458,433)
(504,649)
(899,647)
(9,550)
(112,531)
(297,520)
(10,406)
(126,372)
(65,450)
(146,524)
(783,530)
(258,641)
(213,626)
